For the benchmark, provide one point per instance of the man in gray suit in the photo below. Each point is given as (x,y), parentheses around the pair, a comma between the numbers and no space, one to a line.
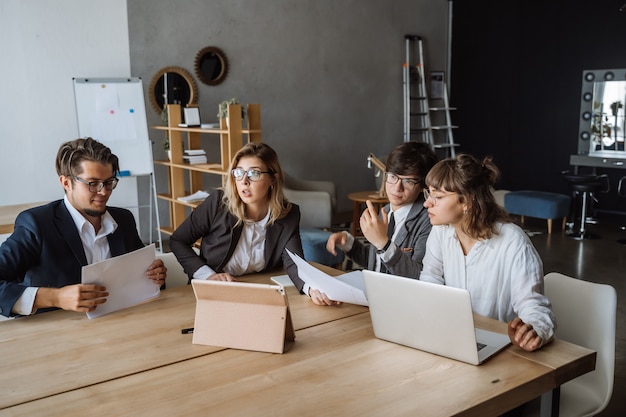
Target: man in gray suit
(41,262)
(396,237)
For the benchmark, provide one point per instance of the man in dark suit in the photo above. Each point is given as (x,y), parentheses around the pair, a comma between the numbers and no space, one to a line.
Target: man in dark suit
(40,263)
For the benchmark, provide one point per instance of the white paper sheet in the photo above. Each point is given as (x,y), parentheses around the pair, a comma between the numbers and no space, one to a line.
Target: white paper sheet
(282,280)
(125,279)
(348,288)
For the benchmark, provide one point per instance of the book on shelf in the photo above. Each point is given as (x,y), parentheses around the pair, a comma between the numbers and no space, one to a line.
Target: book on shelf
(195,152)
(200,159)
(197,196)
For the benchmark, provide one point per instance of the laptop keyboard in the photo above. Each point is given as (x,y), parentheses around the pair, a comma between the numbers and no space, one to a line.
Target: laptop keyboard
(479,346)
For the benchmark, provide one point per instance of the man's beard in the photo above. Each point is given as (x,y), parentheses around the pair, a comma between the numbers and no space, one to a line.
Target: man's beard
(94,213)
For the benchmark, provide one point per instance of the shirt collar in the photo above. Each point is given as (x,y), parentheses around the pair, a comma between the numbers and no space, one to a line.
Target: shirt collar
(109,225)
(400,214)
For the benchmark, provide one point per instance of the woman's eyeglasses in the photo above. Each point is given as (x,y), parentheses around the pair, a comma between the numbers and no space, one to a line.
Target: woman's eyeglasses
(434,198)
(252,174)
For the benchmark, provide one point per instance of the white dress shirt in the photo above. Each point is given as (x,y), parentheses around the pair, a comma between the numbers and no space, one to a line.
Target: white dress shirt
(249,254)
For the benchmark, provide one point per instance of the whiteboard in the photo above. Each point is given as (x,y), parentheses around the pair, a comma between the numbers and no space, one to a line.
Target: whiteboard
(112,111)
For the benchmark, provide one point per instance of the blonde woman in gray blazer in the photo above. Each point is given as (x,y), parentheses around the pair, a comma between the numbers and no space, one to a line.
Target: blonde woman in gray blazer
(244,228)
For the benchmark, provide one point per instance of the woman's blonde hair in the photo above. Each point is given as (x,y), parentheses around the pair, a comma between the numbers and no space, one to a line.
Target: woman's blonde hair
(473,182)
(278,204)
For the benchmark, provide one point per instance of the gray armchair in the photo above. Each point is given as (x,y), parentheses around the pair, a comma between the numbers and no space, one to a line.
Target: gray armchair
(317,201)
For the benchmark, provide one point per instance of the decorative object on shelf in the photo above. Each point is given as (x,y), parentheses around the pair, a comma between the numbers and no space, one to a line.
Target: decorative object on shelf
(166,139)
(166,147)
(379,172)
(211,65)
(223,108)
(172,85)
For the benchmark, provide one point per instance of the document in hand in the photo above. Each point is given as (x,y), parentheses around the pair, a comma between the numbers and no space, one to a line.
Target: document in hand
(347,288)
(125,279)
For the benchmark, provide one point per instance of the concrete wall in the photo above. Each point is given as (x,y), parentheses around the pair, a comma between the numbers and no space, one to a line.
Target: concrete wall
(327,73)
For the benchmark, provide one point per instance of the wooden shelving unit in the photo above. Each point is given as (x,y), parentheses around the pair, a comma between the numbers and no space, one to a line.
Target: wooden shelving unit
(184,179)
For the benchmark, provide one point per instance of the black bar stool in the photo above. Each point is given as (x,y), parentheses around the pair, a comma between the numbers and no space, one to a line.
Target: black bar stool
(586,186)
(621,191)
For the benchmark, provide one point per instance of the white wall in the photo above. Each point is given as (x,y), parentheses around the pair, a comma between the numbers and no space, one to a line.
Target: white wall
(43,45)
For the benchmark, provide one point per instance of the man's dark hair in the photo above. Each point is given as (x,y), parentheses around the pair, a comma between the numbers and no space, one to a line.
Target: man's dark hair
(72,153)
(412,159)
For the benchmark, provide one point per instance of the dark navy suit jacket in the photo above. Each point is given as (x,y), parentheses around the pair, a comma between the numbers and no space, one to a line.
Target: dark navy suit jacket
(45,250)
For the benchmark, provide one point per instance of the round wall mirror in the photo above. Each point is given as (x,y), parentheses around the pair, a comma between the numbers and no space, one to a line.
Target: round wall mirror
(172,85)
(211,65)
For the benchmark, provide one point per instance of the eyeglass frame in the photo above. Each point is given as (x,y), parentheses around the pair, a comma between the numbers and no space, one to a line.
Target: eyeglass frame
(428,195)
(409,186)
(247,173)
(113,181)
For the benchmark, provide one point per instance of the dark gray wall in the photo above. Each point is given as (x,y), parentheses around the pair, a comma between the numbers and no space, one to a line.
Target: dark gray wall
(327,73)
(516,80)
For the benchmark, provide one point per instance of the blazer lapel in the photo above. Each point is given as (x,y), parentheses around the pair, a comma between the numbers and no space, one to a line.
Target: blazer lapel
(116,242)
(271,240)
(236,234)
(64,223)
(416,209)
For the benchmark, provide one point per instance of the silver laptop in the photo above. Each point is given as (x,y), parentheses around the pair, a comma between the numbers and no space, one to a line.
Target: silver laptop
(430,317)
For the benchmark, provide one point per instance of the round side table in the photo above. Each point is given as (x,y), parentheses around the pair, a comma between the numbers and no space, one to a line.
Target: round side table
(359,198)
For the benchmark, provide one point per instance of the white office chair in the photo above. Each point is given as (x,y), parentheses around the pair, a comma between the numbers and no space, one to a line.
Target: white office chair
(176,276)
(585,314)
(317,200)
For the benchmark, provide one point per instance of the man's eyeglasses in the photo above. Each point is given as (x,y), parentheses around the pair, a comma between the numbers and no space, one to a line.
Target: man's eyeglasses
(434,199)
(97,186)
(252,174)
(407,183)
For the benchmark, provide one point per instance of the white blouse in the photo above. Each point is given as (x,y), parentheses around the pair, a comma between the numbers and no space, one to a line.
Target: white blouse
(504,275)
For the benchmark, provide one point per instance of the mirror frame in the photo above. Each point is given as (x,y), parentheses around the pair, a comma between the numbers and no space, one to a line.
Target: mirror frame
(586,104)
(186,75)
(204,53)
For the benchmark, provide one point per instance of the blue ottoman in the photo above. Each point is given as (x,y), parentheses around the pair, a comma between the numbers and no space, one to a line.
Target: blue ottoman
(538,204)
(314,247)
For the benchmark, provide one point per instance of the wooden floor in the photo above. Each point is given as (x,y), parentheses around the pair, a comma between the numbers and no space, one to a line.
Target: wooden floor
(603,260)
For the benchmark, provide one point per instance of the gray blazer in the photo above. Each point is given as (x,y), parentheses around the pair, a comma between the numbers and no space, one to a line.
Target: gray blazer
(408,248)
(215,225)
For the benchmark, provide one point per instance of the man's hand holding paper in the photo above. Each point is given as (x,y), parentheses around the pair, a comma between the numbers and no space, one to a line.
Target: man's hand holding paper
(129,279)
(347,288)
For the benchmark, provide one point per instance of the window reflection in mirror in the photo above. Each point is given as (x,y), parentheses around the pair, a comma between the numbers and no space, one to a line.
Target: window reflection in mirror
(607,124)
(172,85)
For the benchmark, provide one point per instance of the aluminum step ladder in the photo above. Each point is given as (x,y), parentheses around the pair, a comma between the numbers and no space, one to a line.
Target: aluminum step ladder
(418,114)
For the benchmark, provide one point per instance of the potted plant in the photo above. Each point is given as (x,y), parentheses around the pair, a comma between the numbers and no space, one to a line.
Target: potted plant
(166,140)
(223,109)
(166,147)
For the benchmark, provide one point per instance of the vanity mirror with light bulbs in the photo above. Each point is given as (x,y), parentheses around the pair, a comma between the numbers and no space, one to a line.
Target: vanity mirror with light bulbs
(602,121)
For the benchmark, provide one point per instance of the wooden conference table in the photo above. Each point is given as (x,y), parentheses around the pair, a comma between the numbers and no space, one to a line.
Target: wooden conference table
(137,362)
(9,213)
